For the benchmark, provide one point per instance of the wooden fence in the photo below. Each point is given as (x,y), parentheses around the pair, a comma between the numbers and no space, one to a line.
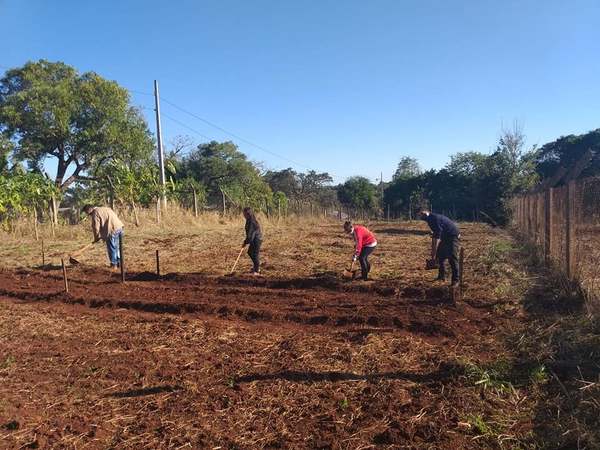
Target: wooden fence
(564,223)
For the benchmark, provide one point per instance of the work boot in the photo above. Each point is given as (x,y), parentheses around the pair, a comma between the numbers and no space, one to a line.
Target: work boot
(454,283)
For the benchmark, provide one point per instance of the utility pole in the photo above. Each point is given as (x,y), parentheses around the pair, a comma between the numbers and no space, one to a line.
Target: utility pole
(382,202)
(161,155)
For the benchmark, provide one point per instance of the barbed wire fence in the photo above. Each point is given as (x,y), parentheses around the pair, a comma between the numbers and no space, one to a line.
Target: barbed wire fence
(564,224)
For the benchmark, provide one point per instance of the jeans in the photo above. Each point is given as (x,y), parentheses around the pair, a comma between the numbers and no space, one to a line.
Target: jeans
(254,253)
(448,250)
(363,259)
(112,246)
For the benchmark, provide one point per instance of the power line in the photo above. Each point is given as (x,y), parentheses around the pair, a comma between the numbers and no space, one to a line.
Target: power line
(172,119)
(233,134)
(178,122)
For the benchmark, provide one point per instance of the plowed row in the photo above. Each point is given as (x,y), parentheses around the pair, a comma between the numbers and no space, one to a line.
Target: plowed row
(204,361)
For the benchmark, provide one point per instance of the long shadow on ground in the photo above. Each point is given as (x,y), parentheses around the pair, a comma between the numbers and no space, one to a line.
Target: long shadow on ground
(403,232)
(446,372)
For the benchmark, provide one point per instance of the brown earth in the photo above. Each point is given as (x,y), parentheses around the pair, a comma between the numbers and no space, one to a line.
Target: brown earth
(198,360)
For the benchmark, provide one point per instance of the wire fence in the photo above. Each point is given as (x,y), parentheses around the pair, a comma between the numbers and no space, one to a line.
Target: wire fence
(564,223)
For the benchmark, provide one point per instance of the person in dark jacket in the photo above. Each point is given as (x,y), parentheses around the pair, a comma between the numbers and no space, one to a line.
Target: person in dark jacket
(253,239)
(445,243)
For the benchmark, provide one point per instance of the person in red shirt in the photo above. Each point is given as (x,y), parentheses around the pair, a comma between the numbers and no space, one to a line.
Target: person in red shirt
(365,245)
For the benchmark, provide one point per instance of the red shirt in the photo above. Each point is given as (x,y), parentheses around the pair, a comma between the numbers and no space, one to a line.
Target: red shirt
(363,238)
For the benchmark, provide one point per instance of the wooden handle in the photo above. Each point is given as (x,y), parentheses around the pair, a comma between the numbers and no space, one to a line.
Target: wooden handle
(237,259)
(82,249)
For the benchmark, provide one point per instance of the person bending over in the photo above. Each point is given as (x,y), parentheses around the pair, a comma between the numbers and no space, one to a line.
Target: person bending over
(365,244)
(445,243)
(107,227)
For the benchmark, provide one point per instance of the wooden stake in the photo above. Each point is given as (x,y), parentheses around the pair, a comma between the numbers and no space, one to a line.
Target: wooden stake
(195,207)
(461,262)
(122,258)
(64,271)
(43,254)
(35,225)
(157,264)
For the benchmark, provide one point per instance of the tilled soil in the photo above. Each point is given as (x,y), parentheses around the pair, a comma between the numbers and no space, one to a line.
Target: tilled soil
(199,361)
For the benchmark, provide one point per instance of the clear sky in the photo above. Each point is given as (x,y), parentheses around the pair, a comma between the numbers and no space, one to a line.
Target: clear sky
(344,86)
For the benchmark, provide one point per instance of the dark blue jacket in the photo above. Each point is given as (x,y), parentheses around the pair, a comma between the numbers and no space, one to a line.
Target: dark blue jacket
(442,227)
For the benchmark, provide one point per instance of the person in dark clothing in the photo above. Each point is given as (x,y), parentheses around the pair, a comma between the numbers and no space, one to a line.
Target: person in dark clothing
(445,243)
(253,239)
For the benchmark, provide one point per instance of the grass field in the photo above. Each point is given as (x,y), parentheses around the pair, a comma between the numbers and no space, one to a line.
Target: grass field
(299,358)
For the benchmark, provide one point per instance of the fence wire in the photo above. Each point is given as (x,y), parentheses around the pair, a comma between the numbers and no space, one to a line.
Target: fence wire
(564,224)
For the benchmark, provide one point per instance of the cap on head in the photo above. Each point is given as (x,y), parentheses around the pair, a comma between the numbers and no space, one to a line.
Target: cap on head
(87,208)
(347,226)
(423,213)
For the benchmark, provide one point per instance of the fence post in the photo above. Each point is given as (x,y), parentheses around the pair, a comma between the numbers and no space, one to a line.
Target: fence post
(195,203)
(157,264)
(64,272)
(121,258)
(549,225)
(571,231)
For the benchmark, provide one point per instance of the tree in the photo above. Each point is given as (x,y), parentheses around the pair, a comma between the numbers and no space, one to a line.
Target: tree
(84,121)
(226,173)
(6,150)
(408,167)
(23,194)
(566,151)
(358,193)
(286,181)
(311,184)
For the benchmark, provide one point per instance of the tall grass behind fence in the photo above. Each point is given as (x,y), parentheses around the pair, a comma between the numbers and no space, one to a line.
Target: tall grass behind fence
(564,224)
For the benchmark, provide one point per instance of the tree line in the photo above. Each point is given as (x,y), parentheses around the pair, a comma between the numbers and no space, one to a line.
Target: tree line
(105,153)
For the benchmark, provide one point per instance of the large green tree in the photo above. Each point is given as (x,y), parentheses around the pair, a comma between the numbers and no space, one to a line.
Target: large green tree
(358,193)
(566,151)
(49,110)
(225,171)
(408,167)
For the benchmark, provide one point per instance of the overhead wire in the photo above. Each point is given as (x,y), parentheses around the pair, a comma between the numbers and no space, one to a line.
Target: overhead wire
(234,135)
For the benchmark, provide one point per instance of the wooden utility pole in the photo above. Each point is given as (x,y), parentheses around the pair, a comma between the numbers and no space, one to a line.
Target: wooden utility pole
(161,155)
(382,204)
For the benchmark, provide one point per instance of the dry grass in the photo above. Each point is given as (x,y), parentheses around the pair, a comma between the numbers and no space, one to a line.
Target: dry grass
(77,377)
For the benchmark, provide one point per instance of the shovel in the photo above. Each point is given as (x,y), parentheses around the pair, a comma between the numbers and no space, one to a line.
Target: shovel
(72,256)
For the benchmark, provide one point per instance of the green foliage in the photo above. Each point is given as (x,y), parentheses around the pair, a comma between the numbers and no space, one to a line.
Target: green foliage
(493,377)
(224,170)
(280,202)
(84,121)
(480,426)
(539,375)
(566,151)
(472,185)
(358,193)
(24,193)
(302,187)
(408,167)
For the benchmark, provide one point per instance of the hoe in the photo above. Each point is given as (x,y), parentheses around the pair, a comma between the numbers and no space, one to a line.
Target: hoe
(350,273)
(72,256)
(236,262)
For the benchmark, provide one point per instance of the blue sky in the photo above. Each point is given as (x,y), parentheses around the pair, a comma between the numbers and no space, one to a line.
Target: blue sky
(342,86)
